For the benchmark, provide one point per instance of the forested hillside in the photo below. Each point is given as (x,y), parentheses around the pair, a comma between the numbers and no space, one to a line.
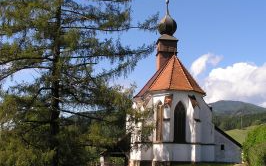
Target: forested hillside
(230,115)
(227,107)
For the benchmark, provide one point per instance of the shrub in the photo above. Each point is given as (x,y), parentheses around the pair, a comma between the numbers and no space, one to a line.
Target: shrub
(257,155)
(255,146)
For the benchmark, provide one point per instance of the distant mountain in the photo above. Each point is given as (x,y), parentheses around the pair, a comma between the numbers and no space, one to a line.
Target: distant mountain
(234,108)
(230,115)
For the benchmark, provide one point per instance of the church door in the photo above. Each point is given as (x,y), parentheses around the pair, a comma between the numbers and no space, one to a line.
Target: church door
(180,123)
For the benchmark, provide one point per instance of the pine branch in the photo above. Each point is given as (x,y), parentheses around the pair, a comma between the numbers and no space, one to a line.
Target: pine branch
(78,13)
(36,121)
(102,29)
(3,62)
(85,116)
(111,54)
(4,75)
(122,1)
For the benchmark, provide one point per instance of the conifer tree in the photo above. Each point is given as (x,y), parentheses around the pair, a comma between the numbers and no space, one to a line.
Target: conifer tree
(66,42)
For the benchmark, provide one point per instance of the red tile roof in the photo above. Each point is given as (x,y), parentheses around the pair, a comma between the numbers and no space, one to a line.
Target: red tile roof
(172,76)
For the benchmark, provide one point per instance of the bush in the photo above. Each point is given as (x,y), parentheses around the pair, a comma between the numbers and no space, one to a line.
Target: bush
(257,155)
(255,147)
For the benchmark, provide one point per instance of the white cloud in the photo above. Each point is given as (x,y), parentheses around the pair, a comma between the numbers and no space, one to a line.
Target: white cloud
(200,64)
(263,104)
(241,81)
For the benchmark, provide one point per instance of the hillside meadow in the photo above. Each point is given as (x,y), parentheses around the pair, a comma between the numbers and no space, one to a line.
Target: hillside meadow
(240,134)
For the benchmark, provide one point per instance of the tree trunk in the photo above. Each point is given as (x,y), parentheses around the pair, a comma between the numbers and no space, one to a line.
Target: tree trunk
(55,108)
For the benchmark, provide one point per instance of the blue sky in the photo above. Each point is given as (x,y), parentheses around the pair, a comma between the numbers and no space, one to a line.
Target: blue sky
(230,32)
(221,42)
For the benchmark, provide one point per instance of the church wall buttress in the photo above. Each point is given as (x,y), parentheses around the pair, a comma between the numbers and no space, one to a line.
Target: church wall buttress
(159,121)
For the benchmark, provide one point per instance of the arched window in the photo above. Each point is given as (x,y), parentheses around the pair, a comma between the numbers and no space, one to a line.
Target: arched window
(159,121)
(180,123)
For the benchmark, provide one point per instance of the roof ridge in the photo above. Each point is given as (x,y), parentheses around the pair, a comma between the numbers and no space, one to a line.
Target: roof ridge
(227,136)
(159,71)
(163,68)
(182,69)
(187,74)
(171,78)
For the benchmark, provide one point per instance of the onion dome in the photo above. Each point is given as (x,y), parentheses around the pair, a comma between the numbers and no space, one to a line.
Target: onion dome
(167,25)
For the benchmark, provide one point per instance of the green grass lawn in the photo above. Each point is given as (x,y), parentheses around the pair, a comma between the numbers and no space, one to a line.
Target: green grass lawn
(240,134)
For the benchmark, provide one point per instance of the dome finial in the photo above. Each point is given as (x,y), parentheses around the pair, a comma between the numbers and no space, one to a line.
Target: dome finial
(167,7)
(167,25)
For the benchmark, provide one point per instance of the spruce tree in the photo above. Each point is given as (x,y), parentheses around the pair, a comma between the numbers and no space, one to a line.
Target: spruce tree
(66,42)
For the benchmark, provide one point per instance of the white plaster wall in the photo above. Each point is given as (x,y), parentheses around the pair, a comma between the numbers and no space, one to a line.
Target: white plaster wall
(156,99)
(135,153)
(207,153)
(196,127)
(167,112)
(196,132)
(196,153)
(147,153)
(143,152)
(207,135)
(166,123)
(183,97)
(206,125)
(181,152)
(193,127)
(175,152)
(196,113)
(171,152)
(161,152)
(190,131)
(231,152)
(166,131)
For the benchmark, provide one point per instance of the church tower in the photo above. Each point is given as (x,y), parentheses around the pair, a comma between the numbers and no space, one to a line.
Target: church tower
(183,128)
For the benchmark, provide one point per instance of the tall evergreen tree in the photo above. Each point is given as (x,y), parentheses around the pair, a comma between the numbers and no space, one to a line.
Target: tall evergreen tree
(65,42)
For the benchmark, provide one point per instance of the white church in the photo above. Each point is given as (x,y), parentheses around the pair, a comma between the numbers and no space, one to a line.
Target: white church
(184,131)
